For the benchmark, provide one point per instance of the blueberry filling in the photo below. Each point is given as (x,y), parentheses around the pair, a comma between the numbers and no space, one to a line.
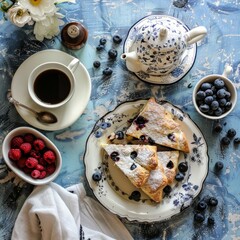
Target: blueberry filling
(141,121)
(133,166)
(142,137)
(170,165)
(115,156)
(171,137)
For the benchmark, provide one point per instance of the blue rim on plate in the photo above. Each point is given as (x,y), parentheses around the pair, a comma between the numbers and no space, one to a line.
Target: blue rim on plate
(114,191)
(179,72)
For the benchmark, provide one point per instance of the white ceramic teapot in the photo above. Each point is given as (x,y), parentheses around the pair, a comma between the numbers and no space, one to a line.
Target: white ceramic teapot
(159,44)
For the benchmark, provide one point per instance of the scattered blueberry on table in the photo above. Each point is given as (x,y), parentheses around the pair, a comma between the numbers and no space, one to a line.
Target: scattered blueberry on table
(107,71)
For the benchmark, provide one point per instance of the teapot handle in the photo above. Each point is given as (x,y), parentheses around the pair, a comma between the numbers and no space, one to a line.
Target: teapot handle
(195,35)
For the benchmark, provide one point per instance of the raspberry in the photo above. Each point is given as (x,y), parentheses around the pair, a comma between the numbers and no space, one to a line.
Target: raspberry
(43,174)
(26,147)
(42,161)
(38,144)
(49,156)
(16,142)
(29,137)
(51,168)
(27,170)
(14,154)
(21,162)
(31,162)
(39,167)
(35,154)
(35,173)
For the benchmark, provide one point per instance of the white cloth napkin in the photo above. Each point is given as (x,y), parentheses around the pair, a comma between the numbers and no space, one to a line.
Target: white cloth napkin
(54,213)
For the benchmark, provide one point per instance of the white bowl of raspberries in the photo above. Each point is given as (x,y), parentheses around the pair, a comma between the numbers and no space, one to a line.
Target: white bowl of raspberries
(214,96)
(31,155)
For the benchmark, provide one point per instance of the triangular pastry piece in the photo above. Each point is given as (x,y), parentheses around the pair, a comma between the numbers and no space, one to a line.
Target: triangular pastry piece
(169,161)
(156,124)
(130,159)
(155,184)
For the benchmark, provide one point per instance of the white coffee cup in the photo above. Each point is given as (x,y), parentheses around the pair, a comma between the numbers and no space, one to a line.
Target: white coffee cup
(52,84)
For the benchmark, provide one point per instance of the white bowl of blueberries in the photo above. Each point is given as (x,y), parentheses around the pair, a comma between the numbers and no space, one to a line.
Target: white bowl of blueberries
(215,96)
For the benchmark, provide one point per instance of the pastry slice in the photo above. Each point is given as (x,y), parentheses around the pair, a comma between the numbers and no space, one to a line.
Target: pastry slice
(169,161)
(124,157)
(155,184)
(157,125)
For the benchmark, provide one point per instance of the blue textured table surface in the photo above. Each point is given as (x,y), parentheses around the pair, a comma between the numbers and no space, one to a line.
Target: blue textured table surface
(105,19)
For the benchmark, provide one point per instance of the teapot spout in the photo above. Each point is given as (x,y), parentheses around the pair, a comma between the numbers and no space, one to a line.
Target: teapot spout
(132,61)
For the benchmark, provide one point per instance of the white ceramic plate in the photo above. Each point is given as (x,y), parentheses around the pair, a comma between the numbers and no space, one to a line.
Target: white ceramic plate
(66,114)
(114,190)
(179,72)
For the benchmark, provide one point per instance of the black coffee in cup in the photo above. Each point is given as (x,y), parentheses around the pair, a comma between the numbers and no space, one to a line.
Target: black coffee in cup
(52,86)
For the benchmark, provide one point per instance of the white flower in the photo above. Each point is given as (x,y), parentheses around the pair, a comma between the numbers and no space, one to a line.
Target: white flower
(49,27)
(38,8)
(18,15)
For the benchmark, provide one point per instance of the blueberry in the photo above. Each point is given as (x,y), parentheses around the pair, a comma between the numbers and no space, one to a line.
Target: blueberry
(114,156)
(225,141)
(117,39)
(219,83)
(96,64)
(183,167)
(209,92)
(221,93)
(200,95)
(167,189)
(231,133)
(98,134)
(218,112)
(211,220)
(119,135)
(206,86)
(170,165)
(102,41)
(214,105)
(179,177)
(208,100)
(199,217)
(136,195)
(201,206)
(218,127)
(218,165)
(107,71)
(100,47)
(237,140)
(97,176)
(228,105)
(204,108)
(112,53)
(133,166)
(104,125)
(213,202)
(222,102)
(227,95)
(133,154)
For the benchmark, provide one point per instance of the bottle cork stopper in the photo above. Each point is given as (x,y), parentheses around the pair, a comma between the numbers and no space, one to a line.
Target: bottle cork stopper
(74,35)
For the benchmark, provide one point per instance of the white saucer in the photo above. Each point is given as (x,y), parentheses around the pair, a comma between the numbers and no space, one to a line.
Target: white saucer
(66,114)
(178,73)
